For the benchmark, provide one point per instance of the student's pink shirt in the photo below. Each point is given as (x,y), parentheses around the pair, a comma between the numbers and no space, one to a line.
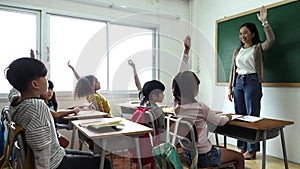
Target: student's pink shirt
(200,115)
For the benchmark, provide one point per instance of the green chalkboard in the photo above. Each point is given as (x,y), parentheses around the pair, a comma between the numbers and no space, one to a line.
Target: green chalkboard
(282,61)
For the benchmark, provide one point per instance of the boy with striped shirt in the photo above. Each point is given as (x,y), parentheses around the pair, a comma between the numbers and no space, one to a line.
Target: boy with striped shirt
(28,77)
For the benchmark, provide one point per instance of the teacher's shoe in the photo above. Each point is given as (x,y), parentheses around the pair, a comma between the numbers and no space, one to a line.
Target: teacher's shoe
(249,155)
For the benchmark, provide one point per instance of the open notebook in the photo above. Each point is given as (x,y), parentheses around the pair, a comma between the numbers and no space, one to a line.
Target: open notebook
(246,118)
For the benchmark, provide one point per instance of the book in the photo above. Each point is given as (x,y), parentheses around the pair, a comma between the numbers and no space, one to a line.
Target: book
(247,118)
(235,116)
(102,123)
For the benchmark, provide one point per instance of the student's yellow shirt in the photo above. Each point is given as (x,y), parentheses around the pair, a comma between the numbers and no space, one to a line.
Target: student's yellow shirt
(101,102)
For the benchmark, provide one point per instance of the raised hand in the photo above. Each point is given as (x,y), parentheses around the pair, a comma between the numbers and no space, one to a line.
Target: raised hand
(262,16)
(136,76)
(130,62)
(187,41)
(74,71)
(187,44)
(70,66)
(32,54)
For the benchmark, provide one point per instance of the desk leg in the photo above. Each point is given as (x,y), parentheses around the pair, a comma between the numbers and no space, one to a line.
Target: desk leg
(286,164)
(217,139)
(264,151)
(138,152)
(225,142)
(103,154)
(73,137)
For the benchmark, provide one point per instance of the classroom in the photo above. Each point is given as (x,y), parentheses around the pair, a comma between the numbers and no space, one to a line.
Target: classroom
(99,37)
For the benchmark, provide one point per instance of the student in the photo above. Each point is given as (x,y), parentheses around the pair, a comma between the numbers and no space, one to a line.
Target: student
(28,78)
(153,92)
(247,75)
(185,87)
(50,100)
(87,86)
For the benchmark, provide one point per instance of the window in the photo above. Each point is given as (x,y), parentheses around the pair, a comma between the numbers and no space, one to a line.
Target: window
(92,47)
(126,43)
(84,43)
(18,32)
(70,40)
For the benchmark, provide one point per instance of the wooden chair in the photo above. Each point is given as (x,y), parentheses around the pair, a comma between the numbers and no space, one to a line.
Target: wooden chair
(186,132)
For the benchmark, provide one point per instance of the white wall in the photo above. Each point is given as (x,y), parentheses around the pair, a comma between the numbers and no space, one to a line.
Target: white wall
(278,103)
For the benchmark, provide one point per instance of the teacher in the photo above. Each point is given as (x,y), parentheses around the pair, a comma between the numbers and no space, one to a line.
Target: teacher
(247,74)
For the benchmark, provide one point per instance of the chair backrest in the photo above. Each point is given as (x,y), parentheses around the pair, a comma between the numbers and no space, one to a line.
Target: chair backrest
(150,118)
(186,134)
(183,131)
(147,118)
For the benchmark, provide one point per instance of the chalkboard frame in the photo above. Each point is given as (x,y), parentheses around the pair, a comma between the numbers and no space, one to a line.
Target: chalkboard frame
(223,68)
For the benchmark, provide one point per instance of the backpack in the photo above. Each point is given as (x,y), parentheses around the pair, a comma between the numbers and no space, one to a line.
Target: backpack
(5,162)
(166,156)
(145,141)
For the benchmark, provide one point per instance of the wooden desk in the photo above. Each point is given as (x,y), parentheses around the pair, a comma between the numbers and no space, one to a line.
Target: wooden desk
(83,114)
(112,140)
(255,132)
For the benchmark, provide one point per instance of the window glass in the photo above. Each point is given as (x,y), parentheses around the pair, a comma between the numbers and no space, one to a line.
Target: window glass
(126,42)
(78,41)
(84,43)
(18,32)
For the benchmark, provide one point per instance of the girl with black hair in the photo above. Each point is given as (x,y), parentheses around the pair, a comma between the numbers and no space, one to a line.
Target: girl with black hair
(87,87)
(153,92)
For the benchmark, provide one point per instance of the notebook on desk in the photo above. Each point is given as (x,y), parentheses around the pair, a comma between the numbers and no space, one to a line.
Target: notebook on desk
(246,118)
(96,124)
